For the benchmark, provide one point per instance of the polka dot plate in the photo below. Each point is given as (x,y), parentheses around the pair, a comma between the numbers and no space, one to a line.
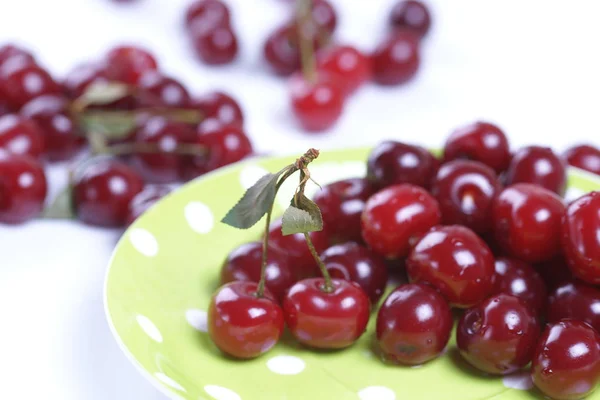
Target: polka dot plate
(166,266)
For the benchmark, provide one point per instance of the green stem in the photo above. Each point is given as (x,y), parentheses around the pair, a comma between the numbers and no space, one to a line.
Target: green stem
(328,285)
(307,54)
(131,148)
(175,114)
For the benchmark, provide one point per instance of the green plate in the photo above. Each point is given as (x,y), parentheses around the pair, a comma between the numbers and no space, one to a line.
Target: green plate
(166,266)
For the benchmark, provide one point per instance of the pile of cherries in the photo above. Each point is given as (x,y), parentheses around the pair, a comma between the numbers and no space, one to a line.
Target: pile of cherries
(481,229)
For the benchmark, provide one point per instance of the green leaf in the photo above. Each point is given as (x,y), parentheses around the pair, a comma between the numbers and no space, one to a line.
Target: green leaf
(111,125)
(102,93)
(61,207)
(302,216)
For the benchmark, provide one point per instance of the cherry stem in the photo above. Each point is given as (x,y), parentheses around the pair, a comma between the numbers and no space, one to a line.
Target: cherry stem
(307,54)
(328,284)
(260,291)
(175,114)
(131,148)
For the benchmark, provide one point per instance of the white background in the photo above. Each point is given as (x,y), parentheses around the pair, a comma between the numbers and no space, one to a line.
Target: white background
(530,66)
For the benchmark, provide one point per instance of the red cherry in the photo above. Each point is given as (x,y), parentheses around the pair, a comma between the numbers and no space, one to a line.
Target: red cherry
(163,91)
(8,51)
(465,191)
(499,335)
(581,237)
(480,141)
(411,15)
(21,136)
(144,200)
(455,261)
(342,204)
(396,60)
(214,11)
(102,191)
(82,75)
(347,65)
(585,157)
(575,300)
(21,80)
(220,106)
(395,217)
(413,325)
(23,188)
(566,363)
(356,263)
(281,50)
(241,324)
(326,320)
(527,222)
(317,105)
(215,44)
(519,279)
(538,165)
(244,264)
(128,63)
(324,17)
(554,272)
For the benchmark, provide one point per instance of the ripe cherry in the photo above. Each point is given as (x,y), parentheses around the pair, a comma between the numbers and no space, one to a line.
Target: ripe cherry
(102,191)
(396,60)
(519,279)
(21,80)
(317,105)
(220,106)
(554,272)
(144,200)
(347,65)
(538,165)
(575,300)
(8,51)
(411,15)
(527,222)
(465,191)
(566,363)
(326,320)
(127,63)
(240,323)
(395,218)
(214,11)
(454,260)
(23,188)
(162,91)
(581,238)
(21,136)
(393,162)
(499,335)
(413,325)
(215,45)
(324,17)
(586,157)
(281,50)
(81,76)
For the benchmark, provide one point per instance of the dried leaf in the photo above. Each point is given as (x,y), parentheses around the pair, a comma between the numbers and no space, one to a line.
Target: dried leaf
(61,207)
(302,216)
(102,93)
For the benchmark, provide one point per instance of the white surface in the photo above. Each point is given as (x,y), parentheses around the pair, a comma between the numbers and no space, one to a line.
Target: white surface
(530,66)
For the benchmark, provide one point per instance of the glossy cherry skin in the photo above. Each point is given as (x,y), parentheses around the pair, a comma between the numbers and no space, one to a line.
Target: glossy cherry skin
(527,222)
(281,50)
(127,63)
(413,325)
(325,320)
(21,80)
(316,105)
(499,335)
(580,237)
(21,136)
(566,363)
(454,260)
(144,200)
(215,45)
(342,204)
(554,272)
(521,280)
(214,11)
(584,156)
(324,17)
(465,191)
(220,106)
(244,263)
(393,162)
(241,324)
(575,300)
(82,75)
(538,165)
(411,15)
(396,60)
(162,91)
(23,188)
(8,51)
(102,192)
(347,65)
(395,218)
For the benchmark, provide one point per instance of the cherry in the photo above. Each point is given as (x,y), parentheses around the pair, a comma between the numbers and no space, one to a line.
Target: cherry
(498,336)
(586,157)
(554,272)
(127,63)
(215,45)
(317,105)
(465,191)
(527,222)
(160,90)
(354,262)
(8,51)
(395,218)
(21,136)
(281,50)
(577,301)
(479,141)
(81,76)
(210,11)
(241,324)
(342,204)
(454,260)
(396,60)
(519,279)
(346,64)
(566,363)
(244,264)
(102,191)
(538,165)
(413,325)
(23,188)
(326,320)
(144,200)
(221,106)
(581,238)
(22,80)
(411,15)
(62,136)
(324,17)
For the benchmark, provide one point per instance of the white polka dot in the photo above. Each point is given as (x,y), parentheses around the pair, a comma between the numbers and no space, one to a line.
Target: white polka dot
(520,380)
(199,217)
(169,381)
(286,365)
(221,393)
(416,366)
(197,319)
(144,242)
(573,194)
(250,174)
(150,329)
(376,393)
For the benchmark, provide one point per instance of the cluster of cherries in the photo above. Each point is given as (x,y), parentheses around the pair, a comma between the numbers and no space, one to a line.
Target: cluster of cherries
(481,229)
(42,121)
